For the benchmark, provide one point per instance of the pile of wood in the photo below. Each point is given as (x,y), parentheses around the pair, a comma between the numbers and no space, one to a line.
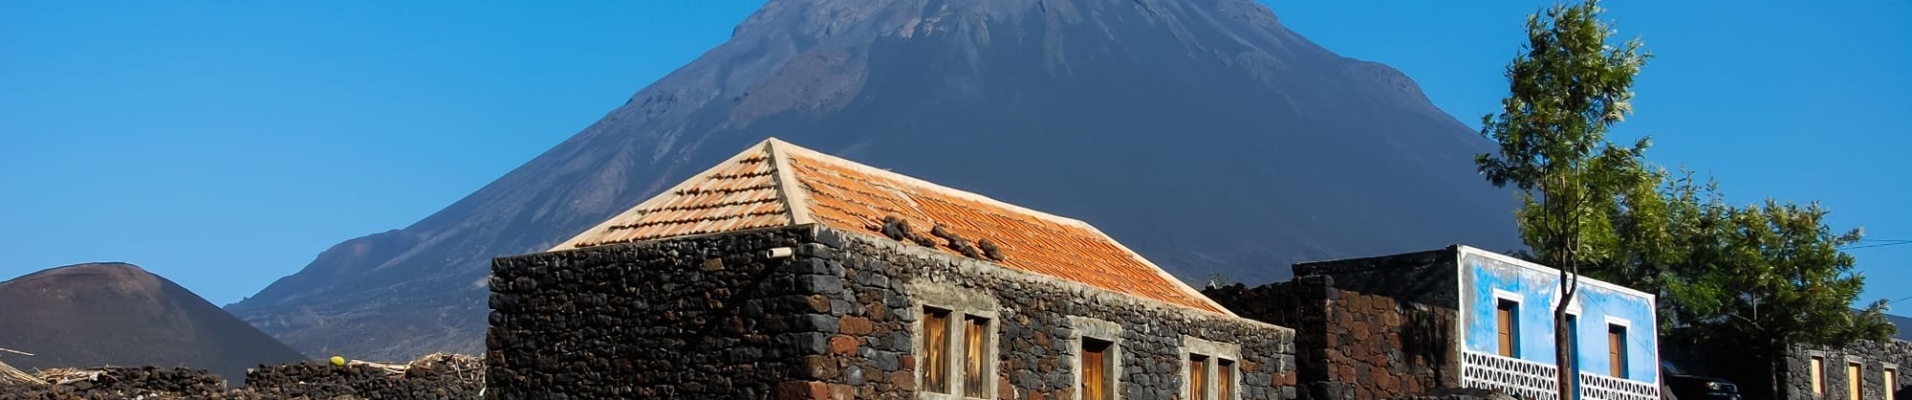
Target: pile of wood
(121,382)
(11,376)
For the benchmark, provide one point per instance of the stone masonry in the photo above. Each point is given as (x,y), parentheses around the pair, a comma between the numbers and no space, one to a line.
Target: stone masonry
(451,379)
(1874,358)
(808,312)
(1354,345)
(694,317)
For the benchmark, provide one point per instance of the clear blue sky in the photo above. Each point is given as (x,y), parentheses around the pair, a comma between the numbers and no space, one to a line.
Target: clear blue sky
(224,144)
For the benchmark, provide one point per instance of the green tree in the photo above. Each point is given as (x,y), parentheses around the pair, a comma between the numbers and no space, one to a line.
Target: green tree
(1566,89)
(1664,241)
(1773,278)
(1740,284)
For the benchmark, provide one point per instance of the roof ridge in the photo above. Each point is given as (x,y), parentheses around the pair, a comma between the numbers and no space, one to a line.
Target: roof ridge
(775,183)
(761,148)
(842,162)
(796,200)
(784,147)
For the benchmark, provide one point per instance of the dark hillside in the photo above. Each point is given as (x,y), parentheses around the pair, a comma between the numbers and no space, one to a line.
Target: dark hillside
(90,315)
(1201,133)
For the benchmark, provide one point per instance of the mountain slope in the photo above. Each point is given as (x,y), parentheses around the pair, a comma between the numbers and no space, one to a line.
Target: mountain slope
(1903,324)
(1201,133)
(89,315)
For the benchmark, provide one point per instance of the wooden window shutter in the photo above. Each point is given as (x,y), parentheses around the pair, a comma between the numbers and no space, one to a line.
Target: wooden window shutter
(1095,359)
(1891,384)
(975,349)
(1504,326)
(1818,367)
(1225,379)
(1197,377)
(935,363)
(1617,350)
(1854,380)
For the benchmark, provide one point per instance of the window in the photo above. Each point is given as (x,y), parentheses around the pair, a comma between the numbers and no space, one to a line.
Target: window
(1197,377)
(1891,383)
(1818,371)
(1098,358)
(1853,381)
(975,357)
(955,351)
(1096,364)
(1617,350)
(1210,371)
(1210,378)
(1225,379)
(1573,349)
(936,350)
(1504,324)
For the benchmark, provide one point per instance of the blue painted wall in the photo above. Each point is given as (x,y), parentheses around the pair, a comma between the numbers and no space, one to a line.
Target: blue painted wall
(1537,291)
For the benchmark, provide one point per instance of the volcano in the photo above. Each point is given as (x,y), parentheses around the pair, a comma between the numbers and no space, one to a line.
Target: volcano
(1201,133)
(98,314)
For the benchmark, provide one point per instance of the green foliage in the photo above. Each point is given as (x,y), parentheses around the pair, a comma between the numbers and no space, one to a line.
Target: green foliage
(1565,90)
(1766,275)
(1738,285)
(1769,273)
(1786,280)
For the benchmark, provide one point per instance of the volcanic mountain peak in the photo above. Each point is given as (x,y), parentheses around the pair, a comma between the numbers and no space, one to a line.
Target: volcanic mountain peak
(1201,133)
(94,314)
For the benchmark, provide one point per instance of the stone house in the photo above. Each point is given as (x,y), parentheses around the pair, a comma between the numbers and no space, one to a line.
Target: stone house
(1389,326)
(1864,370)
(788,273)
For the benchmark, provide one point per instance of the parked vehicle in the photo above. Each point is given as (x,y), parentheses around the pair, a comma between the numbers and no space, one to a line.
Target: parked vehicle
(1688,386)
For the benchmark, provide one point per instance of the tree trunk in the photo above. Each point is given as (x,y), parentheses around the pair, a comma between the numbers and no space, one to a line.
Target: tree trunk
(1773,357)
(1565,369)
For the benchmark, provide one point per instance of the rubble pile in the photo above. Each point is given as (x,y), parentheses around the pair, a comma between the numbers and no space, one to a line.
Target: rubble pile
(434,377)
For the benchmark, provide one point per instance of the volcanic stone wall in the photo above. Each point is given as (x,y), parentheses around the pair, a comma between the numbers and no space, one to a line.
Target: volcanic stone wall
(1039,319)
(1428,277)
(126,382)
(835,319)
(291,381)
(710,317)
(326,381)
(1875,359)
(1354,345)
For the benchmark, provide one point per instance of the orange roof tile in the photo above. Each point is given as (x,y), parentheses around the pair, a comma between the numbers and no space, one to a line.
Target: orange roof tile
(756,188)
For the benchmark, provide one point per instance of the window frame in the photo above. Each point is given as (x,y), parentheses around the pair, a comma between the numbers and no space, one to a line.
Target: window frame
(1099,330)
(963,305)
(1214,353)
(922,348)
(1624,370)
(1226,379)
(1855,378)
(1891,380)
(1816,366)
(1575,358)
(988,364)
(1507,338)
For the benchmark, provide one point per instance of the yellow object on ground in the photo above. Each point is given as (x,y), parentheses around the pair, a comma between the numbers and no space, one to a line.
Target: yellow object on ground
(339,361)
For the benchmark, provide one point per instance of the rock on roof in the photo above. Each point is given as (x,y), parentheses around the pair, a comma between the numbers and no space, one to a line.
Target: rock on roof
(775,183)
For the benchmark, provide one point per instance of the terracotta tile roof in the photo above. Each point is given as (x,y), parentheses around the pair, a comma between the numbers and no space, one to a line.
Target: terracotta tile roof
(755,188)
(736,194)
